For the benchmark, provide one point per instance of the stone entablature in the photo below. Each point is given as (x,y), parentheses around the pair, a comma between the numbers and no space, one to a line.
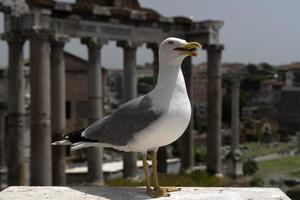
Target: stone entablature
(112,23)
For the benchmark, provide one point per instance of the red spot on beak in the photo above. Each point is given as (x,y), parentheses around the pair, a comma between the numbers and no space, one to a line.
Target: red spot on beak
(195,53)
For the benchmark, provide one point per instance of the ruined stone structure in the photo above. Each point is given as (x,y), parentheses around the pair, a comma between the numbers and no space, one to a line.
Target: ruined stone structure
(48,25)
(278,100)
(288,105)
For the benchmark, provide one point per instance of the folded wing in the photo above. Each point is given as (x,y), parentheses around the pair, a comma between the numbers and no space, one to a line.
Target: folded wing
(121,126)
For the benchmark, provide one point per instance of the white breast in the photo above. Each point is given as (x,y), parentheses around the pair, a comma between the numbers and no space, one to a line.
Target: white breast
(170,126)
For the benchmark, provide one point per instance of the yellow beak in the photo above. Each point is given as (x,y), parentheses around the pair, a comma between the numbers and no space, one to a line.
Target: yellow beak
(189,48)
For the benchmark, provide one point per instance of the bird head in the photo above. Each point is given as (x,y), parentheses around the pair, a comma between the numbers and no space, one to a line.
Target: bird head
(175,48)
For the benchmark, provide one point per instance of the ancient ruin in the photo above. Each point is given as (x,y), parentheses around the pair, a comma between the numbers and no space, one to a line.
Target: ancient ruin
(48,25)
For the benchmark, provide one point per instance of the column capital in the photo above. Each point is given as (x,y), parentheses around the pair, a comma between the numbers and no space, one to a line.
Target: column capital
(93,42)
(40,35)
(59,40)
(214,47)
(128,45)
(13,38)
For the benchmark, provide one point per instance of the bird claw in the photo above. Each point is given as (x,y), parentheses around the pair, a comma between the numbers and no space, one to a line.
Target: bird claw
(170,188)
(157,193)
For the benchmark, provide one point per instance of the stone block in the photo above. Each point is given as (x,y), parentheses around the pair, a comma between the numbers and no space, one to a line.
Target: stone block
(135,193)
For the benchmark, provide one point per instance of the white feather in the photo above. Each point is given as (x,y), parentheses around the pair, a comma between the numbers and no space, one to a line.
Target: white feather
(62,142)
(80,145)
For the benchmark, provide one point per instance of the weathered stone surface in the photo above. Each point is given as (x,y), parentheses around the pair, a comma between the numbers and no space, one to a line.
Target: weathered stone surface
(134,193)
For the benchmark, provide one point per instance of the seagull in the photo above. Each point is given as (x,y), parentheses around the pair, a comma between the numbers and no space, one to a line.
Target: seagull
(147,122)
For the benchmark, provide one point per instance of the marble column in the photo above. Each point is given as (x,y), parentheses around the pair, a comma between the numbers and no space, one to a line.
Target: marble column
(162,151)
(58,109)
(129,92)
(214,108)
(187,139)
(16,112)
(235,159)
(94,154)
(40,168)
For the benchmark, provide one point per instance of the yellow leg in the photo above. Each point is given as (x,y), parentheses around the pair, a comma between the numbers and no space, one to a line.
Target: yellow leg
(149,190)
(154,169)
(145,165)
(154,173)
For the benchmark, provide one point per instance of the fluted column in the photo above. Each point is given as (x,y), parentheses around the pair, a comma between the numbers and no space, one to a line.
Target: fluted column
(187,139)
(214,108)
(58,108)
(94,154)
(40,169)
(16,111)
(130,92)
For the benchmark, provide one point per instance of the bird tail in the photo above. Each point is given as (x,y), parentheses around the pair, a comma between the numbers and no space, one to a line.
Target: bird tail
(62,142)
(80,145)
(76,140)
(71,138)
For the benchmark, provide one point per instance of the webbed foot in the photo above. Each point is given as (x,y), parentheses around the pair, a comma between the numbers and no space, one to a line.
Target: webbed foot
(169,188)
(157,193)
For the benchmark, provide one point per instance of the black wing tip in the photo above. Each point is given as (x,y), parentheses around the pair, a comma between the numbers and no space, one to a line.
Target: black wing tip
(75,136)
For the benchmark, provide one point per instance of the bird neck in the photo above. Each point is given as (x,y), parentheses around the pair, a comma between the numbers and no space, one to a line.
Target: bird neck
(170,80)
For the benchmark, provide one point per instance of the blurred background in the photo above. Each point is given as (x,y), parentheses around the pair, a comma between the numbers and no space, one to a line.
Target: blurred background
(57,56)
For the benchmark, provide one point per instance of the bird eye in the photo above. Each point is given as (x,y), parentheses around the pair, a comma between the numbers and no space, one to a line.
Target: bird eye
(170,42)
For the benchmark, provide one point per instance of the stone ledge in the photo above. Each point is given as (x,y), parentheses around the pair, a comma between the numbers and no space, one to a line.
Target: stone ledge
(137,193)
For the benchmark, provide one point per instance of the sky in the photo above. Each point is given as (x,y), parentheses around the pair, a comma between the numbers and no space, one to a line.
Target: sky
(254,31)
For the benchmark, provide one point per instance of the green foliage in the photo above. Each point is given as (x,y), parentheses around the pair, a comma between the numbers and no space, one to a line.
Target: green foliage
(252,83)
(255,75)
(257,181)
(195,179)
(205,179)
(267,69)
(199,125)
(295,173)
(287,166)
(250,130)
(250,137)
(257,149)
(250,167)
(200,154)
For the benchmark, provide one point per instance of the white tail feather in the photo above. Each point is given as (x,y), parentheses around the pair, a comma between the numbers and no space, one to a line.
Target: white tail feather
(62,142)
(80,145)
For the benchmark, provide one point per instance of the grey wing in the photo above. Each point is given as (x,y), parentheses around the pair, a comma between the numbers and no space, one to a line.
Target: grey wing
(119,127)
